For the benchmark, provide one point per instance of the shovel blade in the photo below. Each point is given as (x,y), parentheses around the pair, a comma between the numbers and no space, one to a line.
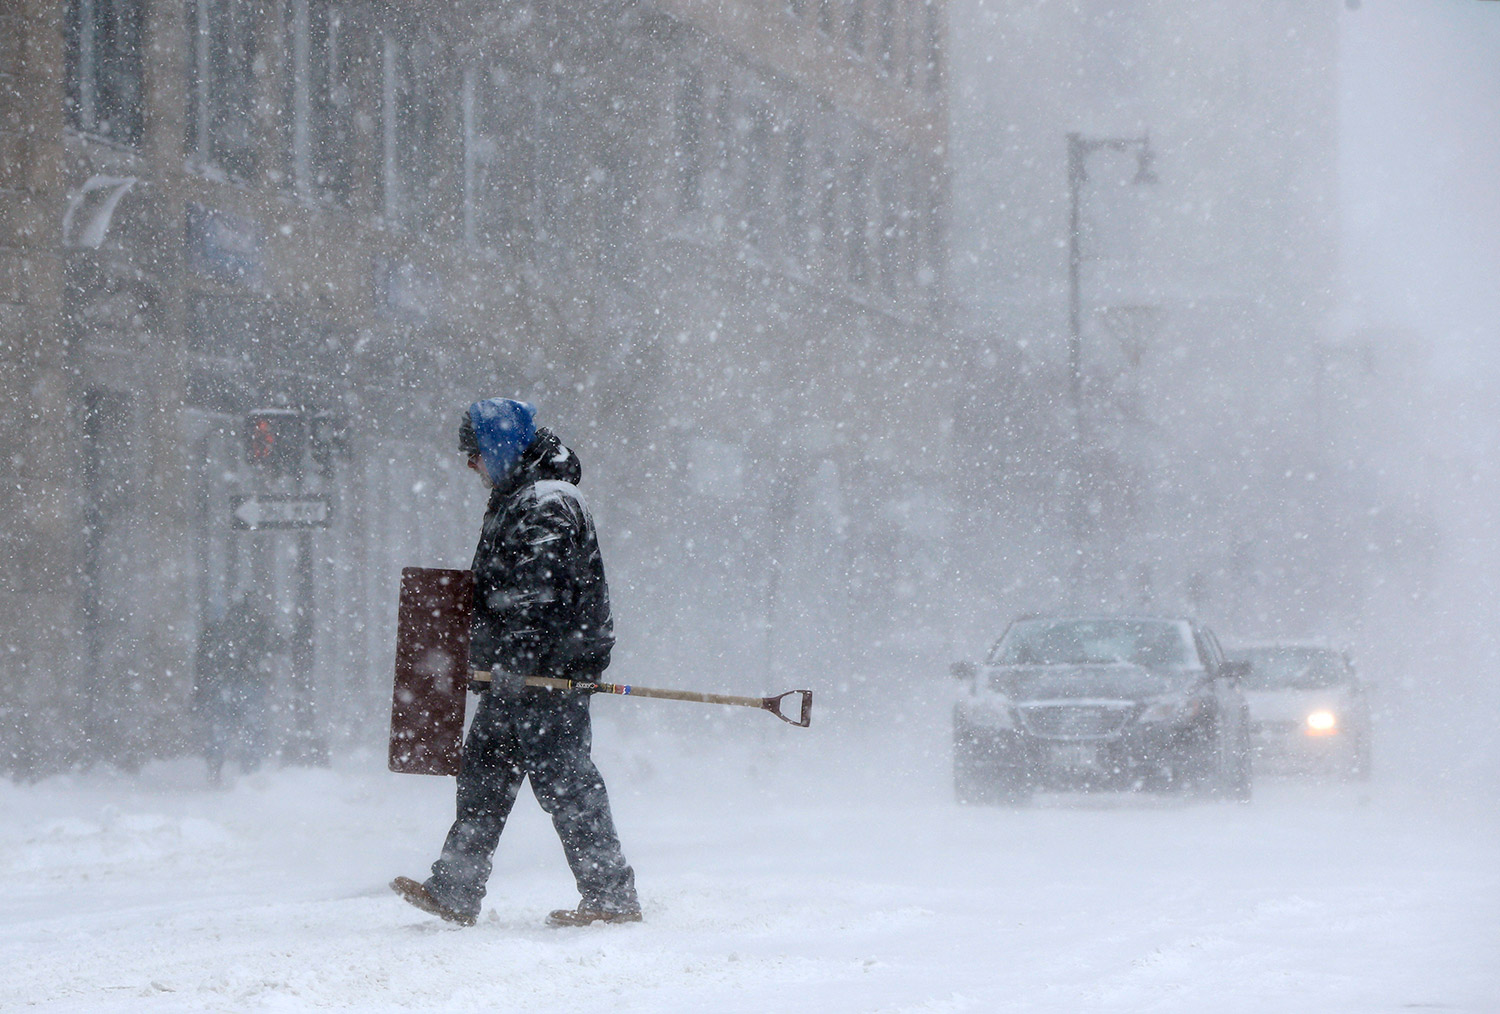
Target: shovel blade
(432,670)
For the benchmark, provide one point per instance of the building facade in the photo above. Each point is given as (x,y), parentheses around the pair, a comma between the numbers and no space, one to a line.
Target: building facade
(707,239)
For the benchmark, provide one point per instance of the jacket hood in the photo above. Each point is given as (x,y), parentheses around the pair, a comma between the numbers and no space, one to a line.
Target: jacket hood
(546,457)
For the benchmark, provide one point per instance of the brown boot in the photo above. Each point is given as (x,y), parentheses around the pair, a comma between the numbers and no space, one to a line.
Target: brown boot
(417,895)
(583,916)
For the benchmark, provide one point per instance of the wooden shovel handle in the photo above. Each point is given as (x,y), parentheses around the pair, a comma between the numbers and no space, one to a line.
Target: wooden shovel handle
(771,704)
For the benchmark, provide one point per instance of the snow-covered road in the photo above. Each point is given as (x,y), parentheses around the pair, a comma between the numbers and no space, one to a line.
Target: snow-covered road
(816,884)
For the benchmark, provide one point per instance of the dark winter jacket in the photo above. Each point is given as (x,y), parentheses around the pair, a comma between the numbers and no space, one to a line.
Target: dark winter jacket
(541,604)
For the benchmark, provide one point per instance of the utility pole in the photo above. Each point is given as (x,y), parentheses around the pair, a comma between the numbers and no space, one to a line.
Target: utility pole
(1079,149)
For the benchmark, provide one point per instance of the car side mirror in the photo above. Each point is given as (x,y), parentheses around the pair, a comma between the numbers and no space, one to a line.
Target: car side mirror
(1234,670)
(963,670)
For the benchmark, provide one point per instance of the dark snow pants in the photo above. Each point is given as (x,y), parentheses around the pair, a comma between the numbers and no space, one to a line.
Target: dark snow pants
(544,735)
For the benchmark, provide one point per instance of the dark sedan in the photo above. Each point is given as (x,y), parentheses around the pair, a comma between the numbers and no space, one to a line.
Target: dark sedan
(1117,703)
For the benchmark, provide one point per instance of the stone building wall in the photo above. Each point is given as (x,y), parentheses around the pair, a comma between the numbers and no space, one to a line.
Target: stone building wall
(376,212)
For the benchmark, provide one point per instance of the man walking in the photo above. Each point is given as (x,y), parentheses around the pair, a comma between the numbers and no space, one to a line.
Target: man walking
(541,608)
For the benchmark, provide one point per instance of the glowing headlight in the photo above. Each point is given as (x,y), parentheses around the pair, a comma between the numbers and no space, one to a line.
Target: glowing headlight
(1322,723)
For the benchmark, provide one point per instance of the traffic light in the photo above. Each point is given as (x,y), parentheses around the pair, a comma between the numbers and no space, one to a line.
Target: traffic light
(328,437)
(275,439)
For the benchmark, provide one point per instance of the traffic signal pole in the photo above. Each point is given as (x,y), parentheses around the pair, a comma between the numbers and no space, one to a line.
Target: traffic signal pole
(306,745)
(284,442)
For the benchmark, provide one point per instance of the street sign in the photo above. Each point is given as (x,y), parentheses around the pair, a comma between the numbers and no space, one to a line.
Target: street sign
(272,510)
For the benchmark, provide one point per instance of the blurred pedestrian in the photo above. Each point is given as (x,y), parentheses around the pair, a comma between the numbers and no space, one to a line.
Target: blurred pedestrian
(235,660)
(541,608)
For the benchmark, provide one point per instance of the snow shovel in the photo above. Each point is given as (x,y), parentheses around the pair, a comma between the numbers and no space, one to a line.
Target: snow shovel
(432,675)
(432,670)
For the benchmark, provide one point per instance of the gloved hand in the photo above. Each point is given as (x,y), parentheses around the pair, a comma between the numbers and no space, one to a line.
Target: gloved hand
(504,682)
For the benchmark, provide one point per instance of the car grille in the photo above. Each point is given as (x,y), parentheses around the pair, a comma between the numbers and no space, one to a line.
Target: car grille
(1074,721)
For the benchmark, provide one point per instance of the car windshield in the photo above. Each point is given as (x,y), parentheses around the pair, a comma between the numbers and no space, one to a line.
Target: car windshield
(1151,643)
(1291,668)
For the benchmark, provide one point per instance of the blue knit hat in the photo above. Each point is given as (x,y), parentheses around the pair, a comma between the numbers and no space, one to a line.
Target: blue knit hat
(500,430)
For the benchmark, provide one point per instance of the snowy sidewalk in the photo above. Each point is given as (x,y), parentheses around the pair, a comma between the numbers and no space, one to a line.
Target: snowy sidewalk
(760,895)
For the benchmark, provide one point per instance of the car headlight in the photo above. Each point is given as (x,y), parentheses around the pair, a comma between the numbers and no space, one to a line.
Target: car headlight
(1172,710)
(1321,723)
(991,711)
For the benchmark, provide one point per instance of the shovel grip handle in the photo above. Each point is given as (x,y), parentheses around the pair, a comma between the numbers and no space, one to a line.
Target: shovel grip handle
(804,717)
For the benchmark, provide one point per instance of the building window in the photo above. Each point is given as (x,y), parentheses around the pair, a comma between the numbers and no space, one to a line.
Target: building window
(828,213)
(500,156)
(690,142)
(934,22)
(909,33)
(859,223)
(795,169)
(326,52)
(612,204)
(759,180)
(105,92)
(221,75)
(726,143)
(390,184)
(885,49)
(890,234)
(855,25)
(930,244)
(907,250)
(468,129)
(412,105)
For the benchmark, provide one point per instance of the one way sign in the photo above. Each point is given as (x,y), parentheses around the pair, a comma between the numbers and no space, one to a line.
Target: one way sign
(271,510)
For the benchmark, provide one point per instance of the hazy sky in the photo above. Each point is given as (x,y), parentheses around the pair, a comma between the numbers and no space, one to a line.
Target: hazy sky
(1421,173)
(1421,188)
